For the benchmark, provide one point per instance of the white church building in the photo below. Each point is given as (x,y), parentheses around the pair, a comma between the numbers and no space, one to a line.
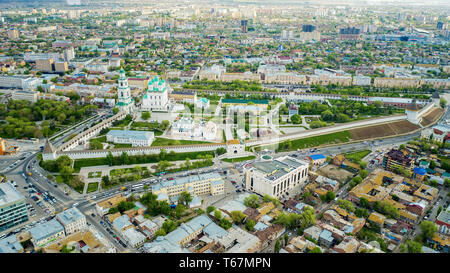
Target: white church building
(156,98)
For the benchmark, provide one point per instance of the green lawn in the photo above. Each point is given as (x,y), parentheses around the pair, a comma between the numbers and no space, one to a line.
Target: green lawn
(94,174)
(238,159)
(99,139)
(92,187)
(122,145)
(357,156)
(292,145)
(159,141)
(88,162)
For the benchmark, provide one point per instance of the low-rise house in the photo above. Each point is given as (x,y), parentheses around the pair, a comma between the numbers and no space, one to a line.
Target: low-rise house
(348,245)
(46,233)
(134,237)
(377,218)
(326,238)
(10,244)
(407,216)
(426,192)
(312,232)
(270,234)
(122,223)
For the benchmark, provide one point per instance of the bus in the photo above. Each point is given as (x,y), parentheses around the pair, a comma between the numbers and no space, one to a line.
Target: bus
(137,186)
(123,188)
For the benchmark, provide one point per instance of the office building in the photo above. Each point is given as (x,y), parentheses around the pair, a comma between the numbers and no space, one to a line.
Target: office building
(13,210)
(244,26)
(275,177)
(349,33)
(206,183)
(308,28)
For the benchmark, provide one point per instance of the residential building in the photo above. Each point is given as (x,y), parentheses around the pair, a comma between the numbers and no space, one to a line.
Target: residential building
(72,220)
(45,65)
(349,33)
(134,237)
(135,138)
(317,159)
(13,210)
(275,177)
(103,207)
(399,159)
(25,95)
(45,233)
(122,223)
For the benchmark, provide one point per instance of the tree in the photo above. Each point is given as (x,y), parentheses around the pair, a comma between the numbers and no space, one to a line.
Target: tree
(217,214)
(252,201)
(145,115)
(162,154)
(296,119)
(185,198)
(345,204)
(411,247)
(237,216)
(110,159)
(221,151)
(364,202)
(169,226)
(443,102)
(115,110)
(124,158)
(159,232)
(179,210)
(363,164)
(249,224)
(359,212)
(66,173)
(277,246)
(363,173)
(316,250)
(210,209)
(163,165)
(428,230)
(224,223)
(330,195)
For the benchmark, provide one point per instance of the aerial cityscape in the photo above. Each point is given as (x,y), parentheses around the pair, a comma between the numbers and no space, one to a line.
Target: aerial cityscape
(234,126)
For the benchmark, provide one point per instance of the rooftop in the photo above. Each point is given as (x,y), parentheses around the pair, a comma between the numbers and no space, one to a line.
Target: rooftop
(139,135)
(8,194)
(45,230)
(70,216)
